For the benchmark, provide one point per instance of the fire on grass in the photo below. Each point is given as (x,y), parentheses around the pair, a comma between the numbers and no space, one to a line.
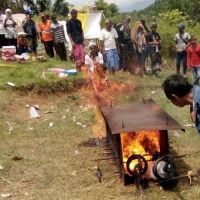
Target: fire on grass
(102,92)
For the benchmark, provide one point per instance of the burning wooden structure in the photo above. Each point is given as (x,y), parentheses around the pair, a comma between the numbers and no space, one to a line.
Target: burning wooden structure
(138,136)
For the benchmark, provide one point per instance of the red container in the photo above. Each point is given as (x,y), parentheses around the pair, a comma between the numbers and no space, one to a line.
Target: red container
(8,53)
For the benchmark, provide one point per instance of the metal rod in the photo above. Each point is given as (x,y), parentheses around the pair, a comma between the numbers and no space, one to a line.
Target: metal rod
(183,176)
(108,153)
(107,149)
(167,120)
(181,156)
(114,163)
(107,146)
(123,124)
(105,159)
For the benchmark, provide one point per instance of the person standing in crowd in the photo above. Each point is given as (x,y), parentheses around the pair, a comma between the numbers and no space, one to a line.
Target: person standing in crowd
(147,31)
(57,30)
(48,17)
(76,36)
(46,35)
(143,22)
(10,28)
(153,42)
(2,29)
(110,46)
(125,42)
(94,62)
(30,29)
(182,42)
(139,36)
(193,57)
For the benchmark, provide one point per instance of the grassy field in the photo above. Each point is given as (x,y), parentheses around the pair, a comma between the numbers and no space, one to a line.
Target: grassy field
(45,162)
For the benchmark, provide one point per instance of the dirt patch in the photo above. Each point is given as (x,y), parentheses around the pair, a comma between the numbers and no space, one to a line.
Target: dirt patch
(19,105)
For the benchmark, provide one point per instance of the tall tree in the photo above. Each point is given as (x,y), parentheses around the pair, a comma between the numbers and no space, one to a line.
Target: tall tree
(32,5)
(15,5)
(110,10)
(61,7)
(187,7)
(44,5)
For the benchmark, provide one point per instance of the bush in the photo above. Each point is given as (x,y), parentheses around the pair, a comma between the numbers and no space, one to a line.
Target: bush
(167,28)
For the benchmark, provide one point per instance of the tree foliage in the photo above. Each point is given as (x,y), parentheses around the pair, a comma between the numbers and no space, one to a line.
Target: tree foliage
(187,7)
(173,17)
(109,10)
(15,5)
(37,6)
(61,7)
(44,5)
(168,14)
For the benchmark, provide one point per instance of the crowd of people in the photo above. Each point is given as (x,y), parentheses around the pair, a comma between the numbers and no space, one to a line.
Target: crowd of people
(117,45)
(50,32)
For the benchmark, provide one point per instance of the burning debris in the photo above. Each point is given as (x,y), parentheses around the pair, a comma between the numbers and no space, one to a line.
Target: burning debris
(145,143)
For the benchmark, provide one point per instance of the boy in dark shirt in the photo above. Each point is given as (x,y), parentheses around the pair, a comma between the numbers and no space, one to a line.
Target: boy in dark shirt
(30,29)
(75,32)
(153,42)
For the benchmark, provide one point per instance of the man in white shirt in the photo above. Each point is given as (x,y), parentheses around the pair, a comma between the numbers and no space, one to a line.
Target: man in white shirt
(110,46)
(182,43)
(2,30)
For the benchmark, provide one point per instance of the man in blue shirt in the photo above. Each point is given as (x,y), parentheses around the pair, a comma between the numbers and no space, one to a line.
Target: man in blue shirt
(181,93)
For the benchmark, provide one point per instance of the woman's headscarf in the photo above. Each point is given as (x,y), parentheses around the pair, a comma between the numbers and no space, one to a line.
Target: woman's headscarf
(8,10)
(136,29)
(91,43)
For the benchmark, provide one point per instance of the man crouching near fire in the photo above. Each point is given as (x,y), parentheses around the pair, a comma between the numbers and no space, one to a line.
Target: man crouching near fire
(181,93)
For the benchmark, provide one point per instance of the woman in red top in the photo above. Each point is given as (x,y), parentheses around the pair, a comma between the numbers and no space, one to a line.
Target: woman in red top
(193,57)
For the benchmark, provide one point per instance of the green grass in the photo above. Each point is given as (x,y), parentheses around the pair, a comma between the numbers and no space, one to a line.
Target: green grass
(50,168)
(28,77)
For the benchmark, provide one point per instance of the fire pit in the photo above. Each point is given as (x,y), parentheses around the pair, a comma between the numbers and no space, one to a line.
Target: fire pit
(137,137)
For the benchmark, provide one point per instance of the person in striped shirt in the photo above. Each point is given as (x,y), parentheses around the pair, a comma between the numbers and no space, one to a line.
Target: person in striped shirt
(57,30)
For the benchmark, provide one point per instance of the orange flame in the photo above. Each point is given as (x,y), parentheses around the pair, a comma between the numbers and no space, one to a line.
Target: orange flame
(145,143)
